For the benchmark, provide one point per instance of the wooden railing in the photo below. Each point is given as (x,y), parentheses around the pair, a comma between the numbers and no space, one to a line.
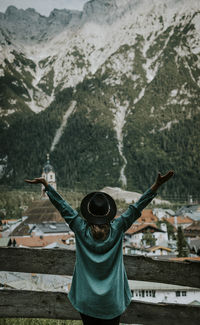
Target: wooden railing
(55,305)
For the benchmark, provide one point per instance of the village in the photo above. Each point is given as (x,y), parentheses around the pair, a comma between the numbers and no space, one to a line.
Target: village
(158,233)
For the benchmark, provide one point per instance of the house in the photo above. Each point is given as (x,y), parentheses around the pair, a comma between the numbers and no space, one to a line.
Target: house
(163,293)
(163,213)
(194,245)
(192,231)
(49,228)
(190,210)
(179,221)
(134,250)
(154,251)
(145,224)
(5,242)
(6,222)
(9,225)
(136,234)
(159,250)
(43,241)
(147,217)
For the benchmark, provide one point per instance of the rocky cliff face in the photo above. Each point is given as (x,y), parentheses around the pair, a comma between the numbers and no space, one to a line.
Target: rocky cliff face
(121,75)
(29,27)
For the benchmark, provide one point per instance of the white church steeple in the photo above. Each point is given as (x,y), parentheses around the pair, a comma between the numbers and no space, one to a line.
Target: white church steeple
(49,174)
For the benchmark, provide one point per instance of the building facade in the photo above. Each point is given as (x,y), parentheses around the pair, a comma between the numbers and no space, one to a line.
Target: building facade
(49,175)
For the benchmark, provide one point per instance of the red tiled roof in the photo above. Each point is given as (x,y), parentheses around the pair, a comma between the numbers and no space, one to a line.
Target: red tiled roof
(147,217)
(195,226)
(40,241)
(154,248)
(180,220)
(5,221)
(185,259)
(136,228)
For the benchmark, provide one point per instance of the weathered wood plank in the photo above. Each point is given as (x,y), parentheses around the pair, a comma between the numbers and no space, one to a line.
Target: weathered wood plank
(147,269)
(44,261)
(61,261)
(54,305)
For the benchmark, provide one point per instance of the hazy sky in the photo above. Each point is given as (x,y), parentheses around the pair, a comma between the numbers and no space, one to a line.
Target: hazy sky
(44,7)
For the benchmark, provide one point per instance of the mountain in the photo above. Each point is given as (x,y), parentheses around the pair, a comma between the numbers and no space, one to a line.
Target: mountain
(111,92)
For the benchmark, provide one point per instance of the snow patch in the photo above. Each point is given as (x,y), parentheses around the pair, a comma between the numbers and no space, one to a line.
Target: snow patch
(7,112)
(141,94)
(152,131)
(119,121)
(39,100)
(12,101)
(121,65)
(152,110)
(59,132)
(152,64)
(174,92)
(3,165)
(1,73)
(168,125)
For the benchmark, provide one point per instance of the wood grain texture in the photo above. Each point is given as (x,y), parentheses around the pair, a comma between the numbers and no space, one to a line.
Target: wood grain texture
(61,262)
(55,305)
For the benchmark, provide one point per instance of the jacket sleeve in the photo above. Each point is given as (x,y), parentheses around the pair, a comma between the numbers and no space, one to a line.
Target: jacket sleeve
(134,210)
(70,215)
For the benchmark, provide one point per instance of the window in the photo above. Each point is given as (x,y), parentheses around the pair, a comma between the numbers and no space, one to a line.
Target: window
(147,293)
(136,293)
(132,293)
(153,293)
(184,293)
(178,293)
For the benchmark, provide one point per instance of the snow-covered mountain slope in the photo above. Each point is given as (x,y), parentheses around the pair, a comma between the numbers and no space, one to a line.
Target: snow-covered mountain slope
(67,46)
(132,67)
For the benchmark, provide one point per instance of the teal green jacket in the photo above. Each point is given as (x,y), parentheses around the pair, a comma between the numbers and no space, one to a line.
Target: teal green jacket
(99,285)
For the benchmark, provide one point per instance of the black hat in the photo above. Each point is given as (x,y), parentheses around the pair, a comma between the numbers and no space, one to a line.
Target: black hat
(98,208)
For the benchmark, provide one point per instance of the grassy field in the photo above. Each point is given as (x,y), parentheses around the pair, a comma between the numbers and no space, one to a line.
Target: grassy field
(37,321)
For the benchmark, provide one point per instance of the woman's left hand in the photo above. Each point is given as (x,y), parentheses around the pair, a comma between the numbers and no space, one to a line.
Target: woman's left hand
(39,180)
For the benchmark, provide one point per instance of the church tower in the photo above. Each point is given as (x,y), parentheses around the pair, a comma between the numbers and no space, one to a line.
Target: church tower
(49,174)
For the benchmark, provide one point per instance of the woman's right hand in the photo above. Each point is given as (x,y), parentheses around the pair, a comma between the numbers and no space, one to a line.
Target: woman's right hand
(39,180)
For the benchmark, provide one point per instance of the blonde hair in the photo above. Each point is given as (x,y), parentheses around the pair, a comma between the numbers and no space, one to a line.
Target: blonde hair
(100,232)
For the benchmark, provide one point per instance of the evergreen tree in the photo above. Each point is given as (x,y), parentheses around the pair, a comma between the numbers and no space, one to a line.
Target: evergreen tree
(148,239)
(182,246)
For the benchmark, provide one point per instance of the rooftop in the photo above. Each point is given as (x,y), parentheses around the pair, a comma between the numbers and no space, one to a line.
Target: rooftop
(134,229)
(154,248)
(38,212)
(40,241)
(179,220)
(53,227)
(147,217)
(139,285)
